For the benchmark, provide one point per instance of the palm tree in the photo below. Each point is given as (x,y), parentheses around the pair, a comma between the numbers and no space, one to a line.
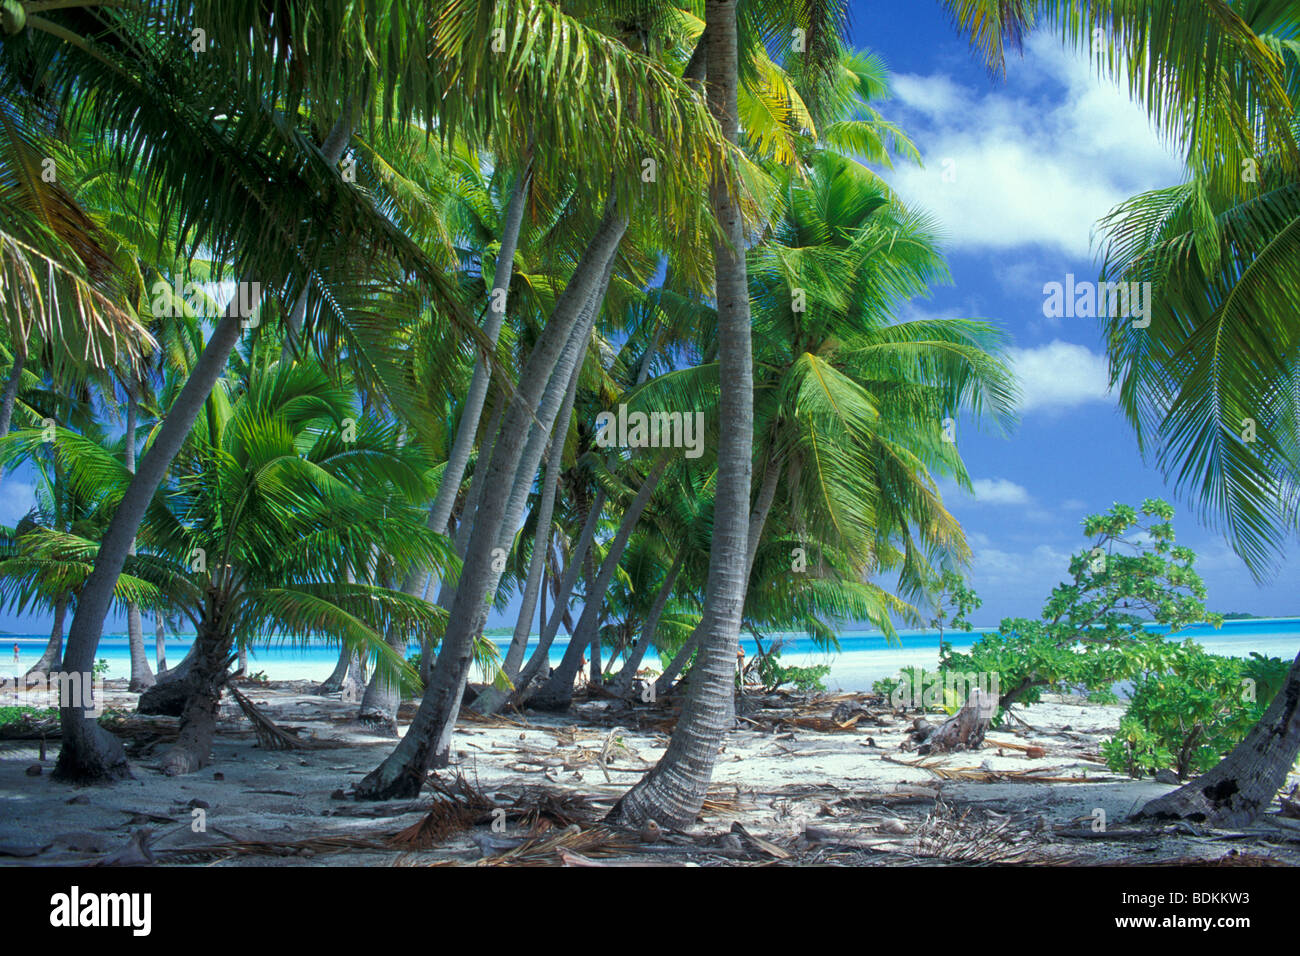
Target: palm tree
(1210,387)
(255,541)
(674,790)
(665,115)
(186,123)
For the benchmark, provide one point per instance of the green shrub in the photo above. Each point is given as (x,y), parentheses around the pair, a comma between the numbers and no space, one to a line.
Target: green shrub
(1135,750)
(1092,632)
(806,680)
(1192,708)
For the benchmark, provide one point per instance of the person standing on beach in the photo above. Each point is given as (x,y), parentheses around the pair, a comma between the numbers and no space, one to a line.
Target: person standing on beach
(15,652)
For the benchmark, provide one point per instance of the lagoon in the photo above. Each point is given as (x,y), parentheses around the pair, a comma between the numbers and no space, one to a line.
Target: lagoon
(864,655)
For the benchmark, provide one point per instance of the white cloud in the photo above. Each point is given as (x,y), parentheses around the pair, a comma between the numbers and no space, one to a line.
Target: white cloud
(1035,161)
(1059,375)
(1026,575)
(1000,491)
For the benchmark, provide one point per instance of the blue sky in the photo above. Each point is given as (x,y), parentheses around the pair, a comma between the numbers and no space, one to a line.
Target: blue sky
(1038,157)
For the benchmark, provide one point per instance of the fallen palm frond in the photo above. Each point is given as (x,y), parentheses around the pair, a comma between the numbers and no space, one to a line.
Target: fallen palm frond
(269,736)
(983,775)
(313,846)
(593,843)
(979,775)
(469,715)
(965,838)
(458,806)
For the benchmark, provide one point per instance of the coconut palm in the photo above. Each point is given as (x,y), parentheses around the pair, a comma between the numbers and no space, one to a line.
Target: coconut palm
(1210,387)
(278,504)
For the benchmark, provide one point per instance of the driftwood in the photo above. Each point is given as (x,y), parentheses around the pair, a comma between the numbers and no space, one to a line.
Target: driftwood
(964,730)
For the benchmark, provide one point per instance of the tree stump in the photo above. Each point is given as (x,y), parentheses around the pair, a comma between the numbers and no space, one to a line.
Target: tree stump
(965,729)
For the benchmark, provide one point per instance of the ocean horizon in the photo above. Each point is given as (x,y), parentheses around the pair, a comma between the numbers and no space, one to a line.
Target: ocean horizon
(864,656)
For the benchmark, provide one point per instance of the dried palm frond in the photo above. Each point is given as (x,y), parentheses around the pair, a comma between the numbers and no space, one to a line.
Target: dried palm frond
(962,837)
(458,806)
(593,843)
(269,736)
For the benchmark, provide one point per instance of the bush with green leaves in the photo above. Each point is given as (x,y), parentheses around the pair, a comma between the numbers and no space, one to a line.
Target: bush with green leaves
(772,674)
(1092,633)
(1190,708)
(1134,750)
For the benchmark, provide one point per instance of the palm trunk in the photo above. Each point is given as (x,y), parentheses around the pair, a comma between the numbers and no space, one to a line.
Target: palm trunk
(557,693)
(558,614)
(428,740)
(160,644)
(673,792)
(141,677)
(477,484)
(622,683)
(49,662)
(457,461)
(90,753)
(493,698)
(1242,785)
(10,397)
(667,681)
(198,727)
(347,669)
(463,445)
(170,692)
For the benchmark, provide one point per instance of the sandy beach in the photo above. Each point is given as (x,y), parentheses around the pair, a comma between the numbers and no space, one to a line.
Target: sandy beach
(795,785)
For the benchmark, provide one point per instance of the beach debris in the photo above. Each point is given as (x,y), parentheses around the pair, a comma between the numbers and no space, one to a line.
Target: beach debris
(269,736)
(34,770)
(766,846)
(651,832)
(490,844)
(458,805)
(135,853)
(1031,751)
(965,729)
(1291,803)
(546,850)
(972,838)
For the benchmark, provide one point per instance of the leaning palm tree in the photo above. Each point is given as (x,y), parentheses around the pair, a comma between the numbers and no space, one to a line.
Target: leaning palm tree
(184,123)
(1212,390)
(666,125)
(280,507)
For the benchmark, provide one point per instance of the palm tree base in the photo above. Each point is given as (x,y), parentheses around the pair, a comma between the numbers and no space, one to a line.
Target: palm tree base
(90,755)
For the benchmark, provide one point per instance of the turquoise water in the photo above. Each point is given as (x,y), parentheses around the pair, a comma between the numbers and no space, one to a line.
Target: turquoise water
(864,656)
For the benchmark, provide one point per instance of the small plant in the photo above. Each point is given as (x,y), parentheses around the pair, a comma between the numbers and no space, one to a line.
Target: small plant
(1135,750)
(806,680)
(100,669)
(919,689)
(24,716)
